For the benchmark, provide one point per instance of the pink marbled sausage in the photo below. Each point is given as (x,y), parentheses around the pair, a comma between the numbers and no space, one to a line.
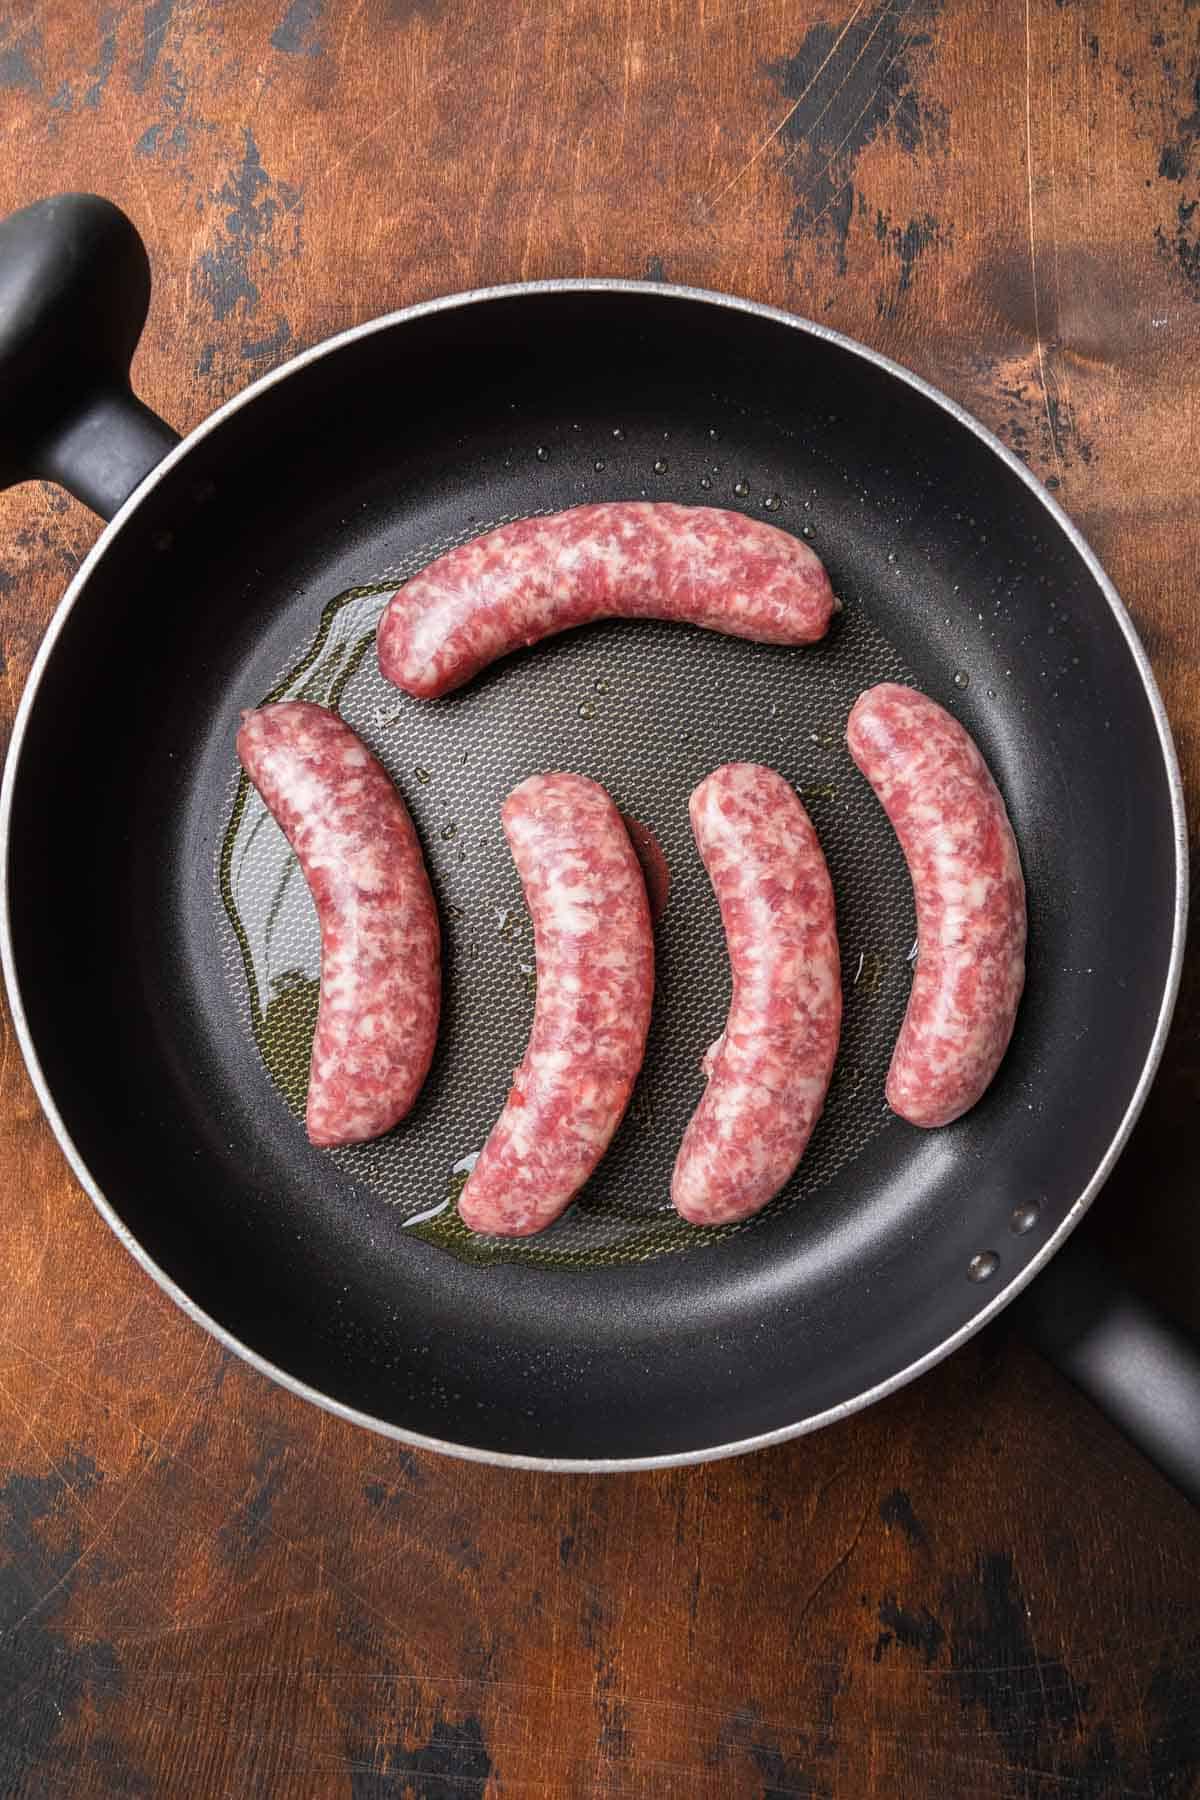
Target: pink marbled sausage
(628,559)
(380,940)
(769,1071)
(966,873)
(595,982)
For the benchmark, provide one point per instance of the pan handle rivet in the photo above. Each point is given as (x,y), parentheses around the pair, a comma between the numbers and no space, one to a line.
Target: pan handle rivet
(983,1266)
(1024,1218)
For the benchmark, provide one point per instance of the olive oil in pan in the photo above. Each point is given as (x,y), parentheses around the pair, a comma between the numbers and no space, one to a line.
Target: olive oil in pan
(647,710)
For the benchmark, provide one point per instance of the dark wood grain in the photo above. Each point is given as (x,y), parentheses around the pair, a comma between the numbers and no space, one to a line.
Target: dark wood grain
(976,1589)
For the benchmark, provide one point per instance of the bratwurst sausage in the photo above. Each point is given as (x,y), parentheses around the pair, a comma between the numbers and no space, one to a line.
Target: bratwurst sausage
(966,873)
(380,941)
(769,1070)
(623,559)
(595,981)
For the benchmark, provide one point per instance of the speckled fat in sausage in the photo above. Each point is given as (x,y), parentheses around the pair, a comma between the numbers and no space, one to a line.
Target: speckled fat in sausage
(626,559)
(970,895)
(768,1072)
(380,941)
(595,981)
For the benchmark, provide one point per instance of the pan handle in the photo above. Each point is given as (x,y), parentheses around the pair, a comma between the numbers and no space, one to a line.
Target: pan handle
(74,292)
(1133,1362)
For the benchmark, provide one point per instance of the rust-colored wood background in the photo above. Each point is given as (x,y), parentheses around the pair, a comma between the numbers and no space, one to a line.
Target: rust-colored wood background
(977,1589)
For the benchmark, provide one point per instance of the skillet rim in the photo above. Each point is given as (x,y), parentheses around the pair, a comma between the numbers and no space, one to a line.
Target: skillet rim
(1019,1279)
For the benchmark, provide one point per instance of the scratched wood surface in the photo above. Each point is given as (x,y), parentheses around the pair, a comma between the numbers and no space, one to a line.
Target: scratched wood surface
(977,1589)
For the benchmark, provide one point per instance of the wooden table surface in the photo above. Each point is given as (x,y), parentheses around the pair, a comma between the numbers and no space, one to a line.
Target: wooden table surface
(975,1589)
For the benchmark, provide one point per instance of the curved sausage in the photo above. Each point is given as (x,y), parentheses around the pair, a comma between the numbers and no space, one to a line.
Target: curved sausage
(595,982)
(625,559)
(769,1071)
(966,873)
(380,941)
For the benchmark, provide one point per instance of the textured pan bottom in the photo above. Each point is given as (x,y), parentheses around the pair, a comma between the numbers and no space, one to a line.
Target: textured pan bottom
(648,710)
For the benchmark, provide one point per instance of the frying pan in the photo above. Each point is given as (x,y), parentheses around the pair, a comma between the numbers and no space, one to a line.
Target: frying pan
(158,948)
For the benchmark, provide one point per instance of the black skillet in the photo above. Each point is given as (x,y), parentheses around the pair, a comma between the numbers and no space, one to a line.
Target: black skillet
(143,997)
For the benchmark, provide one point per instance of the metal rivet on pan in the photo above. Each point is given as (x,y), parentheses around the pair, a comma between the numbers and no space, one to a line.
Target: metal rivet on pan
(1024,1218)
(983,1266)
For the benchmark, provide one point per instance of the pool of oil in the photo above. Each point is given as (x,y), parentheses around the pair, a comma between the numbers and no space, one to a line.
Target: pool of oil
(648,710)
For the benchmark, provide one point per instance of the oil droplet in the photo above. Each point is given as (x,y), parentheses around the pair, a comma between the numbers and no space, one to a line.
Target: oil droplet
(660,467)
(991,693)
(450,831)
(508,462)
(598,464)
(808,506)
(961,678)
(587,709)
(773,502)
(954,589)
(867,975)
(891,556)
(714,436)
(741,488)
(666,437)
(705,482)
(807,531)
(619,433)
(601,685)
(542,454)
(422,775)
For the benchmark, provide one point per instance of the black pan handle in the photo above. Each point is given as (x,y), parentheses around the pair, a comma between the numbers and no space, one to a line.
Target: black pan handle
(1132,1361)
(74,292)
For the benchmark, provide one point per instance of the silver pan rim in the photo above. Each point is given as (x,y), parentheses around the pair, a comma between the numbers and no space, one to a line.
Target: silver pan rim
(1016,1283)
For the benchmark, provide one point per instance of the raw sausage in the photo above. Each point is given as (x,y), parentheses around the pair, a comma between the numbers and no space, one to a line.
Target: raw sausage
(769,1071)
(625,559)
(380,940)
(966,873)
(595,982)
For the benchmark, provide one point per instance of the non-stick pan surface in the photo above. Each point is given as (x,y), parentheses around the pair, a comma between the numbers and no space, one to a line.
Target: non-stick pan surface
(629,1342)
